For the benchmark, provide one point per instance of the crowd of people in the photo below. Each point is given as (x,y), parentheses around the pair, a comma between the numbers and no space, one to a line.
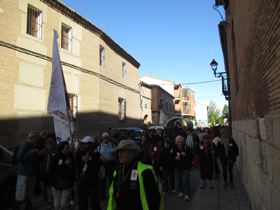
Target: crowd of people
(127,174)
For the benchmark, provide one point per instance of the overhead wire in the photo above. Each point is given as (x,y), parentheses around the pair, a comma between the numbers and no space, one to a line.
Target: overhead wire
(188,83)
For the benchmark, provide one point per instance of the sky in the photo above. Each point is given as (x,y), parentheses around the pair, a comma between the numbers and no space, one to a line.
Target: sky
(172,39)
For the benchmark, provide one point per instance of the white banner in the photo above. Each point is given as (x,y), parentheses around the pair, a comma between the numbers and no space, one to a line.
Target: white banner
(58,104)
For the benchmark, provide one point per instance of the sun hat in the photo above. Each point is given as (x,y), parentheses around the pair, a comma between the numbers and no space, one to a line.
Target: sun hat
(127,145)
(87,139)
(105,135)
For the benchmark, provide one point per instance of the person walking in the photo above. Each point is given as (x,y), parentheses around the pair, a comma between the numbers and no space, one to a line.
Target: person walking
(206,162)
(154,153)
(27,158)
(192,140)
(183,163)
(88,182)
(167,164)
(108,162)
(63,174)
(48,155)
(232,151)
(135,185)
(220,153)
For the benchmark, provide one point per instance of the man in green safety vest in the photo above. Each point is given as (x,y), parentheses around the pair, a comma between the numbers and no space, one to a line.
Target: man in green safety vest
(135,185)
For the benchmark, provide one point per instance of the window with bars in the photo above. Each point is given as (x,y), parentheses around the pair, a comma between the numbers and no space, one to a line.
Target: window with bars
(124,70)
(34,22)
(101,55)
(122,109)
(73,102)
(66,37)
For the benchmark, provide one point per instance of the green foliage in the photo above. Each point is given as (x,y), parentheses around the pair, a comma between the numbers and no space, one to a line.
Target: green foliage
(225,112)
(214,114)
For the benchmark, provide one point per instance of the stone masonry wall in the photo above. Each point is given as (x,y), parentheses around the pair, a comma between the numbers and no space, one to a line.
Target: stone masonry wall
(258,160)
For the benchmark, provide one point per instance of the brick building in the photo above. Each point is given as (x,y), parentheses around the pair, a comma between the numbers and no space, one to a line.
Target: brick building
(250,39)
(184,102)
(101,77)
(183,97)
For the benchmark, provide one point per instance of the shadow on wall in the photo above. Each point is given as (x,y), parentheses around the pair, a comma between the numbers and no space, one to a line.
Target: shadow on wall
(14,131)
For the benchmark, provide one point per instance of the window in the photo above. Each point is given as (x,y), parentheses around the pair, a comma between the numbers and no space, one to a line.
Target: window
(160,103)
(66,37)
(186,106)
(101,56)
(73,102)
(122,109)
(124,70)
(186,93)
(34,22)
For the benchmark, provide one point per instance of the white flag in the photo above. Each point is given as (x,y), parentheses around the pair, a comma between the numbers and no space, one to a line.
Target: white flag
(58,104)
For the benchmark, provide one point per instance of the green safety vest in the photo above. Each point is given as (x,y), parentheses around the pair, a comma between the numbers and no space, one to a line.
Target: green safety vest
(140,168)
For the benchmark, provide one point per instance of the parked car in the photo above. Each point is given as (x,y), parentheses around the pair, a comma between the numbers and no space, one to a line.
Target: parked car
(125,133)
(156,127)
(7,179)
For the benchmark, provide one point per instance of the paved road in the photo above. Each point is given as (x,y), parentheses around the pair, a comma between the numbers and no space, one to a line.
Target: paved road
(172,201)
(216,199)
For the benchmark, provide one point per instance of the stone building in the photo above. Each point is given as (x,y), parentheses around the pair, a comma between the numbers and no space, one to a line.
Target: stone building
(162,105)
(101,77)
(146,102)
(250,37)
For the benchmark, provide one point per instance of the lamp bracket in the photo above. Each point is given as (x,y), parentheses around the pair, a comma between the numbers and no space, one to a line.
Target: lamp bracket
(220,74)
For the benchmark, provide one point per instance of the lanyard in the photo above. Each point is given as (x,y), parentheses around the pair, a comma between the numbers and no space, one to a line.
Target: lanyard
(122,177)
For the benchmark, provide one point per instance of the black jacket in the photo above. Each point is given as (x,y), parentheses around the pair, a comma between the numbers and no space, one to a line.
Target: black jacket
(206,155)
(62,174)
(219,150)
(89,176)
(182,159)
(167,160)
(233,151)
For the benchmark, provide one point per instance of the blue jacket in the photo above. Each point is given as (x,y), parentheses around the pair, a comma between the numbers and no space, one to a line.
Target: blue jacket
(27,162)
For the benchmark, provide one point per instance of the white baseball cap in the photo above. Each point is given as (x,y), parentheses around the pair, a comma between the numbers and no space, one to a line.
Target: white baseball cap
(87,139)
(105,135)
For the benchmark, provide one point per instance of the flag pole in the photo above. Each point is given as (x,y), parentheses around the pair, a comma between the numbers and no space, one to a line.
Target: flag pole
(59,107)
(70,118)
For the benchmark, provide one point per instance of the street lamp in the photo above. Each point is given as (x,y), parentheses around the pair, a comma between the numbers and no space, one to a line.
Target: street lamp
(214,65)
(223,76)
